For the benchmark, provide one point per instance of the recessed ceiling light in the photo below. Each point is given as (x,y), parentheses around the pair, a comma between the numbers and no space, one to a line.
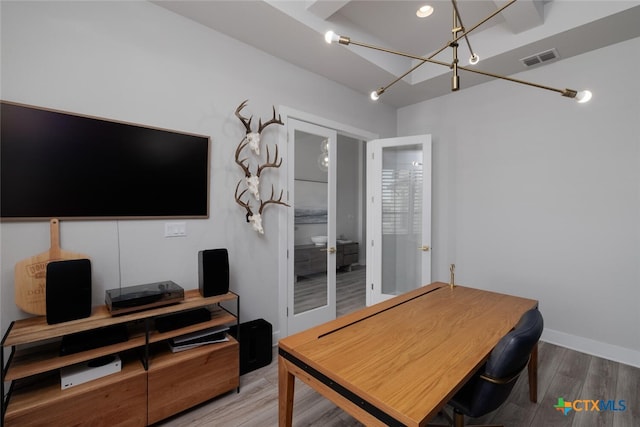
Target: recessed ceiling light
(424,11)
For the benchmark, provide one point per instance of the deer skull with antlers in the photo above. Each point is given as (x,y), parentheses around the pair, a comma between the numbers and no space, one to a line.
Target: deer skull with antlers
(256,218)
(252,139)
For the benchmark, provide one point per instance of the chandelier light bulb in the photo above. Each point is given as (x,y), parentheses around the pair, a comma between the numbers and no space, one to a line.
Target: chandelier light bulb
(374,95)
(331,37)
(584,96)
(474,59)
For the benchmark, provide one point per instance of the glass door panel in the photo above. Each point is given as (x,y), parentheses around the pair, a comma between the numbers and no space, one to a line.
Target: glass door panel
(401,218)
(312,284)
(310,229)
(398,215)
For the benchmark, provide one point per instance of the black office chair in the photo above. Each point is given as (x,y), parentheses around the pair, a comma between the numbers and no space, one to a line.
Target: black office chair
(490,386)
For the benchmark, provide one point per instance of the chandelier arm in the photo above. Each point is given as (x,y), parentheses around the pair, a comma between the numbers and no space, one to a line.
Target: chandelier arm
(406,55)
(396,52)
(455,8)
(570,93)
(465,31)
(511,79)
(348,41)
(412,69)
(565,92)
(455,39)
(430,57)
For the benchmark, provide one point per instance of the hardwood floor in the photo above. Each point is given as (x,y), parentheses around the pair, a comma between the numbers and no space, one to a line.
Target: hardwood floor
(310,291)
(562,373)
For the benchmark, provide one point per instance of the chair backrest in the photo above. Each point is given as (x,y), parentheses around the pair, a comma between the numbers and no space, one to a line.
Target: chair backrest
(507,360)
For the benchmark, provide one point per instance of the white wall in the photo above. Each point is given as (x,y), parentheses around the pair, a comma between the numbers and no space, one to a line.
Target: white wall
(136,62)
(538,196)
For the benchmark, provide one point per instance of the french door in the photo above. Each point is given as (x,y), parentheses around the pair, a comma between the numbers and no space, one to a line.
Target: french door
(398,216)
(311,288)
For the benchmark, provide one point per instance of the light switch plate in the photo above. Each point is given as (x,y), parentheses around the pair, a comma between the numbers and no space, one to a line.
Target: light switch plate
(175,229)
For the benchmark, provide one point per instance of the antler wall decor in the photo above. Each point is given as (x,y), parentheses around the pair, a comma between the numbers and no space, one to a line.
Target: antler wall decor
(252,181)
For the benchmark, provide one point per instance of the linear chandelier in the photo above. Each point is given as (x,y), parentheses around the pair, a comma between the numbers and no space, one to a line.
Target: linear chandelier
(458,30)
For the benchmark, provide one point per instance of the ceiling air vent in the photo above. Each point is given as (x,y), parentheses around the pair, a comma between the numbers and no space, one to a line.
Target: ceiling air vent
(539,58)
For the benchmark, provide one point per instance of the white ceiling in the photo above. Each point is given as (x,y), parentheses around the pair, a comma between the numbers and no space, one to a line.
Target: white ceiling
(294,31)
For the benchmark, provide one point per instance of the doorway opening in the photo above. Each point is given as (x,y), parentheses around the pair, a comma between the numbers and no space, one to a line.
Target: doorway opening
(323,269)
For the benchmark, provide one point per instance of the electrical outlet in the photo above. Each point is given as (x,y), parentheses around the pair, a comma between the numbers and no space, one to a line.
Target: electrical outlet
(175,229)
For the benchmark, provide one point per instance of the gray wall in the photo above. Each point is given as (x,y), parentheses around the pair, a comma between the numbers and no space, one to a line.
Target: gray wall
(136,62)
(536,195)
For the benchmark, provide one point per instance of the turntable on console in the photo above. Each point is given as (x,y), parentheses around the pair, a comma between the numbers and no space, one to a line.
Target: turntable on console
(141,297)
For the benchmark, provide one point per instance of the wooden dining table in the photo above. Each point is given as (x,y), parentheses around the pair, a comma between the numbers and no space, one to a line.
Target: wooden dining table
(399,362)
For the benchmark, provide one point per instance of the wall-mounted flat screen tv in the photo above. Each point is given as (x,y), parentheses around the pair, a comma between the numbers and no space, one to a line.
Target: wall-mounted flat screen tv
(55,164)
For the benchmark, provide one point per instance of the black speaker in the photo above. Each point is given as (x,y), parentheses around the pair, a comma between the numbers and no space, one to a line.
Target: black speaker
(68,290)
(170,322)
(213,272)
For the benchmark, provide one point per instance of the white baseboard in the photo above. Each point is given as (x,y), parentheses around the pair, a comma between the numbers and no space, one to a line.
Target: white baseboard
(594,348)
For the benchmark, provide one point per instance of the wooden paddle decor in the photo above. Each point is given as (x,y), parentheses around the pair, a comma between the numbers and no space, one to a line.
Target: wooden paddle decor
(30,274)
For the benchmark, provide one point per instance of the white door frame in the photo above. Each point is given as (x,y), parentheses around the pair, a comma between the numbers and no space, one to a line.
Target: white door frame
(283,277)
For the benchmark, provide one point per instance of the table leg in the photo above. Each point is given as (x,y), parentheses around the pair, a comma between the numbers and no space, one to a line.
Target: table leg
(286,383)
(533,374)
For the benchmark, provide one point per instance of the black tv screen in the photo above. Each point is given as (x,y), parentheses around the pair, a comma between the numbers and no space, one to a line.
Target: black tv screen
(55,164)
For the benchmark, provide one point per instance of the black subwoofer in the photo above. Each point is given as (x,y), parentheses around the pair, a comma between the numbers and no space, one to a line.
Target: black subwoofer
(68,290)
(255,344)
